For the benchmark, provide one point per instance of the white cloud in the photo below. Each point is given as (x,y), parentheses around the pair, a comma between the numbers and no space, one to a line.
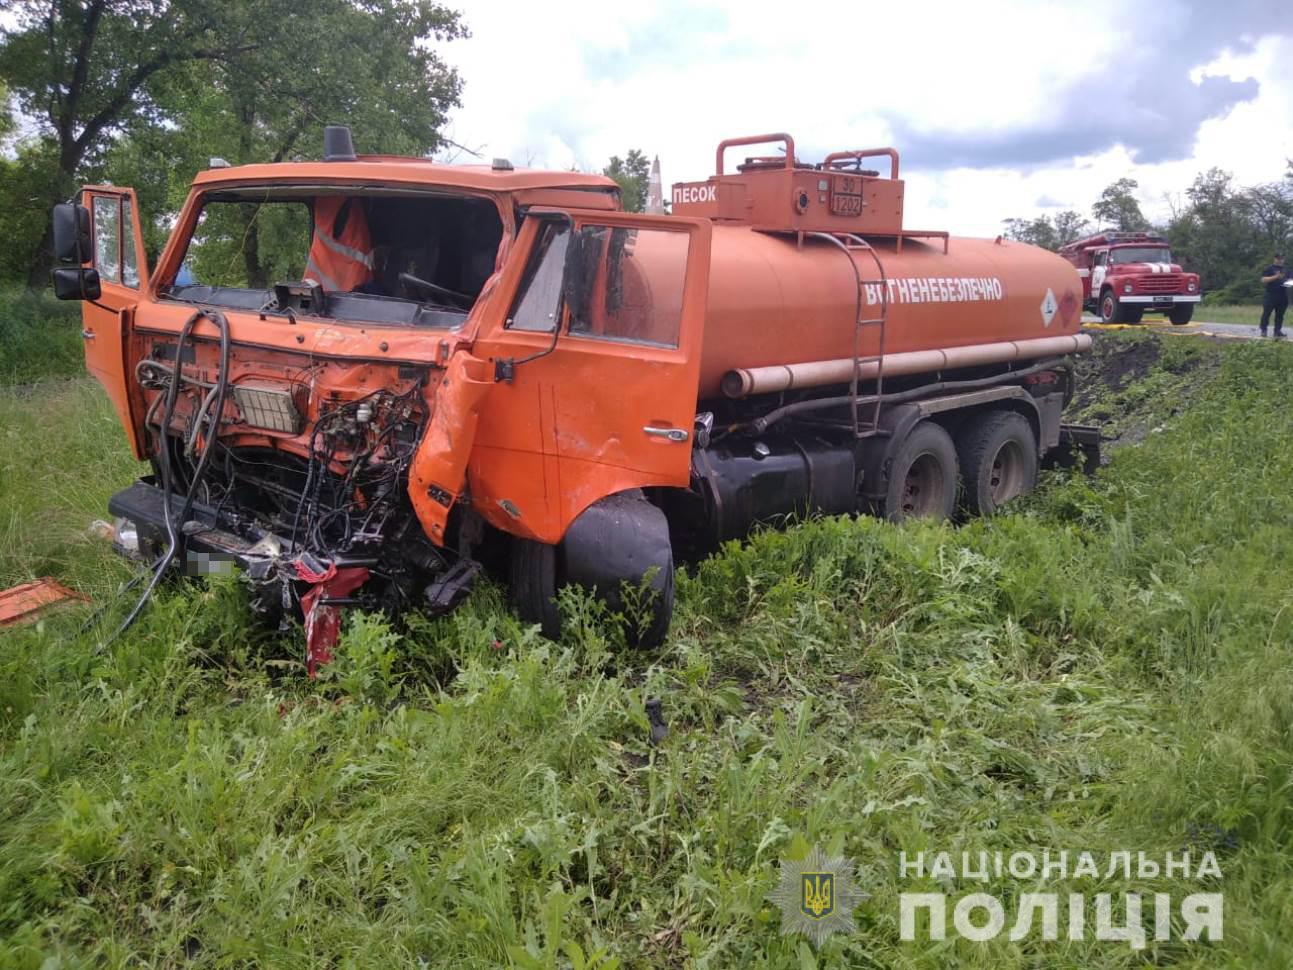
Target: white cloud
(568,84)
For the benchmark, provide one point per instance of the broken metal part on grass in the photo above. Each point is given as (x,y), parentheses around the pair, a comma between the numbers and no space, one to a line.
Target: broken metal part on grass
(26,602)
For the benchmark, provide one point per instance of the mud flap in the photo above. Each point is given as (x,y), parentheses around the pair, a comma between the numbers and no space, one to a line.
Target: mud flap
(439,468)
(1078,443)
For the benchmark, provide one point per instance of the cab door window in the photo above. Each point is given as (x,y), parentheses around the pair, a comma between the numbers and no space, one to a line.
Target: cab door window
(129,258)
(630,284)
(538,301)
(107,238)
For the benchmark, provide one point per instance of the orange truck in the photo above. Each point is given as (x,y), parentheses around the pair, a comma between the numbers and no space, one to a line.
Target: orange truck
(438,369)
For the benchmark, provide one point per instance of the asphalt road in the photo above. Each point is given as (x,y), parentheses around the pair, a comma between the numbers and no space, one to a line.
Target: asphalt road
(1231,331)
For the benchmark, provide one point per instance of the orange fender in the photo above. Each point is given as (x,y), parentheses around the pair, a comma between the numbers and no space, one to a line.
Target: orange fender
(439,468)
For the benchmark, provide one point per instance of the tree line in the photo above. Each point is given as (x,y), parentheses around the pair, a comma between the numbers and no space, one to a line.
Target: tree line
(1221,230)
(144,92)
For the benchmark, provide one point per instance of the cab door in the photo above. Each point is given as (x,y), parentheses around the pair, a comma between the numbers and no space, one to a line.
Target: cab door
(117,253)
(597,364)
(1098,271)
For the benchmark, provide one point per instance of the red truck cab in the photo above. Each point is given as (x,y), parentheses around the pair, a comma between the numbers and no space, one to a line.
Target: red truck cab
(1124,274)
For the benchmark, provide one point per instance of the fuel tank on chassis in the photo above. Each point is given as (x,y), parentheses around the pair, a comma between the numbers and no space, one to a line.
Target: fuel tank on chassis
(774,300)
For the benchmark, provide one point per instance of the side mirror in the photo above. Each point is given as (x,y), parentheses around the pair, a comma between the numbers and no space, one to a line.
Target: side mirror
(71,233)
(76,283)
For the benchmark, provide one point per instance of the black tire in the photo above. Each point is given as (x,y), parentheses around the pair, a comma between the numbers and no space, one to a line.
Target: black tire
(661,615)
(998,455)
(1111,310)
(1181,314)
(1130,315)
(534,584)
(922,476)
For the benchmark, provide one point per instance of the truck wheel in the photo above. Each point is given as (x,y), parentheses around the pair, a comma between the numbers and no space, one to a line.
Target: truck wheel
(534,584)
(1110,308)
(922,477)
(1132,316)
(998,456)
(1181,314)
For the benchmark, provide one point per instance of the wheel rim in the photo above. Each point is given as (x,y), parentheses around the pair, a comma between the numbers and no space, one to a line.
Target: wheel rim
(1106,308)
(922,488)
(1007,473)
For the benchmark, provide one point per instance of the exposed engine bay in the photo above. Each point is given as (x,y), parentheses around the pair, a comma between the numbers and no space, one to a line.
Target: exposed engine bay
(304,490)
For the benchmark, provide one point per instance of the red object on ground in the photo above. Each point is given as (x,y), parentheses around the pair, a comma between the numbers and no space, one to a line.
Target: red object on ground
(323,622)
(25,602)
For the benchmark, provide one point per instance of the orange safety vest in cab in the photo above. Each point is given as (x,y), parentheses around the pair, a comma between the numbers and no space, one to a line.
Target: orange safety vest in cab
(341,255)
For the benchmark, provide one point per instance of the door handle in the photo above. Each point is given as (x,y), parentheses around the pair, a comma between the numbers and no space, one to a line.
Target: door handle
(87,334)
(670,434)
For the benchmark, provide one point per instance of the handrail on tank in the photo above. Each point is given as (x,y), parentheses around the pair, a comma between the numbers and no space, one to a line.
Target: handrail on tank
(865,153)
(727,143)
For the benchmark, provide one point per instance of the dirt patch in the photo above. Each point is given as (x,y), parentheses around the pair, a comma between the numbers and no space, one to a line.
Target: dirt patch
(1132,384)
(1110,366)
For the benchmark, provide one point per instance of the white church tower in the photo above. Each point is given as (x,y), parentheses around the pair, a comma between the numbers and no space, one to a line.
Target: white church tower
(655,194)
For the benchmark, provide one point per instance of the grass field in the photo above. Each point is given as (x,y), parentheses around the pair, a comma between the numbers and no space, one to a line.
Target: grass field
(1229,314)
(1105,669)
(40,337)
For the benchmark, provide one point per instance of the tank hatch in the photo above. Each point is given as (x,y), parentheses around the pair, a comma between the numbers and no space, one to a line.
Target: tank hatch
(780,193)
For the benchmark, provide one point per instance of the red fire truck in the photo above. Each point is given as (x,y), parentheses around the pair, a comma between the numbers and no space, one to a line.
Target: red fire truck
(1126,273)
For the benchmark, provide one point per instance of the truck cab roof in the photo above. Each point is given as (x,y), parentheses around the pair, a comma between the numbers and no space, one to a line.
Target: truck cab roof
(387,169)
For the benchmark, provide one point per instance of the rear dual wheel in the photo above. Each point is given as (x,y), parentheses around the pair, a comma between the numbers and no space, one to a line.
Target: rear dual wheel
(994,459)
(922,477)
(998,456)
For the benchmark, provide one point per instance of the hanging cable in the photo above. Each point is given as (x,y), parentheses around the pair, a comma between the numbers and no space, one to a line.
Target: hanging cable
(213,417)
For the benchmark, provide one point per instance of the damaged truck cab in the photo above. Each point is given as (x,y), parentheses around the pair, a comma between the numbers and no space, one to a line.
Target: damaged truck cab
(359,379)
(501,334)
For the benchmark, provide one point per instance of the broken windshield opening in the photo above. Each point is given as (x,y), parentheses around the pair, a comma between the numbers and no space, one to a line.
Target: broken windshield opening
(367,256)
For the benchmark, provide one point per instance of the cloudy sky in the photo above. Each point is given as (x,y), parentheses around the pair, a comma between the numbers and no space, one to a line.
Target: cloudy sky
(998,107)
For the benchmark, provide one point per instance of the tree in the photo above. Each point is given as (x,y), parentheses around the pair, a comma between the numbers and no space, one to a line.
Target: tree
(1070,225)
(1047,232)
(632,173)
(245,80)
(1217,238)
(1035,232)
(1270,209)
(1118,209)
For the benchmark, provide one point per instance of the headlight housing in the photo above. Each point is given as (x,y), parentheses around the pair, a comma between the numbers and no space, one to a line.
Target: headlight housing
(1191,286)
(1126,287)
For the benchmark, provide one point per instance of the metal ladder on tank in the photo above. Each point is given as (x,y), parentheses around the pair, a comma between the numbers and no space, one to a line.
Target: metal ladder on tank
(850,244)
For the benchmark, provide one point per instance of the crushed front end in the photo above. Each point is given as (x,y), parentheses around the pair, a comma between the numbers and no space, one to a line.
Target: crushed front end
(282,420)
(304,486)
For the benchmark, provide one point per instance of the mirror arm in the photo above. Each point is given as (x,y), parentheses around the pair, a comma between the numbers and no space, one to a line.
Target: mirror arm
(505,369)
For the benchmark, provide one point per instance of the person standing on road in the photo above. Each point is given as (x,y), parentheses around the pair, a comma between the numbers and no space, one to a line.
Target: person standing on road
(1277,295)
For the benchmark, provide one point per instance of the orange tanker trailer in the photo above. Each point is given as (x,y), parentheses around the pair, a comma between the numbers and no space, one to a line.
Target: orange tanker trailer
(435,368)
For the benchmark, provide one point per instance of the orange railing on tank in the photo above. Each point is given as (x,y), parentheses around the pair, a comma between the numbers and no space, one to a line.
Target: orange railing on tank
(891,153)
(780,136)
